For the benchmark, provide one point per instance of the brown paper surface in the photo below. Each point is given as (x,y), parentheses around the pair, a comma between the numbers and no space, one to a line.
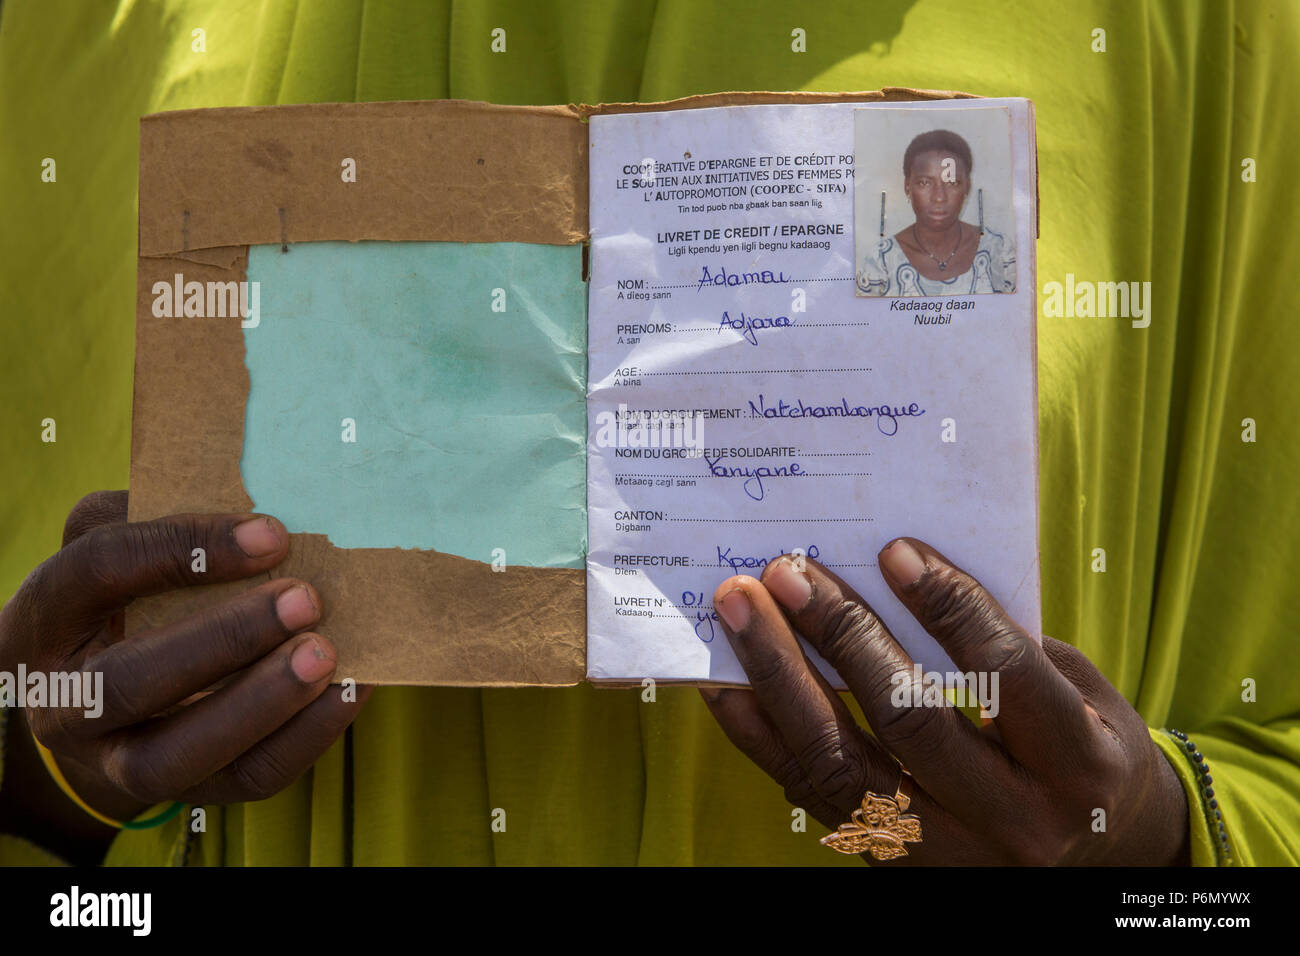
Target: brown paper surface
(213,182)
(449,170)
(394,615)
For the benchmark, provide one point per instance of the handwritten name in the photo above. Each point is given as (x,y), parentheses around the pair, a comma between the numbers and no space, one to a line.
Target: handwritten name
(749,325)
(886,416)
(753,484)
(738,562)
(723,277)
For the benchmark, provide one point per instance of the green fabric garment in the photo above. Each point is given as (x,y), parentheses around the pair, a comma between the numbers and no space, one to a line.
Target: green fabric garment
(1140,158)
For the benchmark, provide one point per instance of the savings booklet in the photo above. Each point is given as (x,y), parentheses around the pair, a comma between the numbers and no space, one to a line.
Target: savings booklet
(526,384)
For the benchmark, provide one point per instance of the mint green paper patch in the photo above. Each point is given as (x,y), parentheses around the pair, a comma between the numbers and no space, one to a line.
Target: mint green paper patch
(390,405)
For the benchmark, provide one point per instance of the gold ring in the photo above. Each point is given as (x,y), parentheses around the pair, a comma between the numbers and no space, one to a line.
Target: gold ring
(881,825)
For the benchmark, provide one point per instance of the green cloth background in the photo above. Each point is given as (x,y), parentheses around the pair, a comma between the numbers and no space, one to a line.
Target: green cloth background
(1140,152)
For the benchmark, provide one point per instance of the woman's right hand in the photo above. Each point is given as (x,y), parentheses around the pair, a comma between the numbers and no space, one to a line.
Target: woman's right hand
(273,714)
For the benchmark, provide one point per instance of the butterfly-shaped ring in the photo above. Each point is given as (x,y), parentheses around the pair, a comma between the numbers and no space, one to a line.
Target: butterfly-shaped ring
(881,826)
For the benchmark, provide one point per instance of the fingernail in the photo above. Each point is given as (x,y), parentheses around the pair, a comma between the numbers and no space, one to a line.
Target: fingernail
(792,588)
(295,608)
(258,537)
(710,694)
(734,610)
(310,663)
(903,563)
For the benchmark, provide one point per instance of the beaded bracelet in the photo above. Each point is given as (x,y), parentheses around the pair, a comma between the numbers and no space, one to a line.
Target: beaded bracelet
(1209,803)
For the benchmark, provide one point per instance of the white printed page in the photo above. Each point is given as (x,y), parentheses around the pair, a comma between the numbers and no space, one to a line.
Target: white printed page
(759,382)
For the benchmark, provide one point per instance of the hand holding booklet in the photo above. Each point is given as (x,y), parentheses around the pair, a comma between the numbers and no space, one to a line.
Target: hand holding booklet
(534,361)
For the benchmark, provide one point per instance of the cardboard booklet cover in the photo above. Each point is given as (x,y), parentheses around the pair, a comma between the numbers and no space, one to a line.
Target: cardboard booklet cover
(527,383)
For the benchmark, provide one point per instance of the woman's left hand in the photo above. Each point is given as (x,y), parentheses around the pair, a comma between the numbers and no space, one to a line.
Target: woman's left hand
(1066,744)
